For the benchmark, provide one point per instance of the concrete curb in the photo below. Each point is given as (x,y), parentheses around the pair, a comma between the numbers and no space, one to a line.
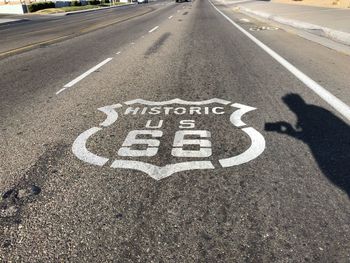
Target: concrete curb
(335,35)
(90,10)
(5,21)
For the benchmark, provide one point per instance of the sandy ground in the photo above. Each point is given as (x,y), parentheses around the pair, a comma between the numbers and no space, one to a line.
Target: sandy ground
(323,3)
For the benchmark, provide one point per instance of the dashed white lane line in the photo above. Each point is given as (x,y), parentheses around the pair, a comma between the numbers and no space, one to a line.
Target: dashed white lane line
(332,100)
(170,17)
(84,75)
(118,52)
(153,29)
(58,92)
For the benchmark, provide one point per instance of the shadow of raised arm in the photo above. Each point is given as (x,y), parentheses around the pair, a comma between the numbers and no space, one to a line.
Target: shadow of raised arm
(327,136)
(284,128)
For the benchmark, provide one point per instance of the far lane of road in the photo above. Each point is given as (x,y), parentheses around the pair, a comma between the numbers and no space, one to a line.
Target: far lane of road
(21,36)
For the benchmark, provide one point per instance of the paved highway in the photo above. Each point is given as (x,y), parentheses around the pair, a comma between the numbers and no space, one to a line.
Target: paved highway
(172,132)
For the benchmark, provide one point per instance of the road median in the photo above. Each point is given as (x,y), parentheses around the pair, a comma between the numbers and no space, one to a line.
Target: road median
(69,10)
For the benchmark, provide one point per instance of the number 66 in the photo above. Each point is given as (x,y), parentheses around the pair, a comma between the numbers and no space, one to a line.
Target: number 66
(179,142)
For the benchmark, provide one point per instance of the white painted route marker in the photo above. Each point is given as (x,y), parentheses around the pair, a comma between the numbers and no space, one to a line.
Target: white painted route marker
(187,159)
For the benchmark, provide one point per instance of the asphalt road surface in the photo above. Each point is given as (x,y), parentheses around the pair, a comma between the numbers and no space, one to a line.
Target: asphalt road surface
(172,132)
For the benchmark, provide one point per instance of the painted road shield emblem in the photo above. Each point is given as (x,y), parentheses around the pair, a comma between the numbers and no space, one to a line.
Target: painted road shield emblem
(184,124)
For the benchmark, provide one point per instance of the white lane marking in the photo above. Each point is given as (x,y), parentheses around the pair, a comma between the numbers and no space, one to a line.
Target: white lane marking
(170,17)
(153,29)
(80,150)
(58,92)
(76,80)
(256,148)
(332,100)
(118,52)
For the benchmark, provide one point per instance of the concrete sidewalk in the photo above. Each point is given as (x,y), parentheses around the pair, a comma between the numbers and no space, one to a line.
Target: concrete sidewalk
(9,20)
(14,18)
(331,23)
(93,9)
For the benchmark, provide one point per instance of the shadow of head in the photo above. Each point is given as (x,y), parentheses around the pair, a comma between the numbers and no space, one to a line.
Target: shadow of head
(327,136)
(294,101)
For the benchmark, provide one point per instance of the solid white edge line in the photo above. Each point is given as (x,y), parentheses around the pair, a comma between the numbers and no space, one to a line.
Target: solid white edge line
(58,92)
(332,100)
(76,80)
(153,29)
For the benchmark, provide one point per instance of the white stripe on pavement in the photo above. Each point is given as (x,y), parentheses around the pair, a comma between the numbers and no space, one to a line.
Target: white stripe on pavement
(170,17)
(76,80)
(332,100)
(153,29)
(58,92)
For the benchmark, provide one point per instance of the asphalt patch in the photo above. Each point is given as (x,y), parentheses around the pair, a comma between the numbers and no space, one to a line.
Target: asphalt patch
(156,46)
(29,186)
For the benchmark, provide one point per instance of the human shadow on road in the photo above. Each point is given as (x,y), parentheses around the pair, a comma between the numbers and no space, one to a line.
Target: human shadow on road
(327,136)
